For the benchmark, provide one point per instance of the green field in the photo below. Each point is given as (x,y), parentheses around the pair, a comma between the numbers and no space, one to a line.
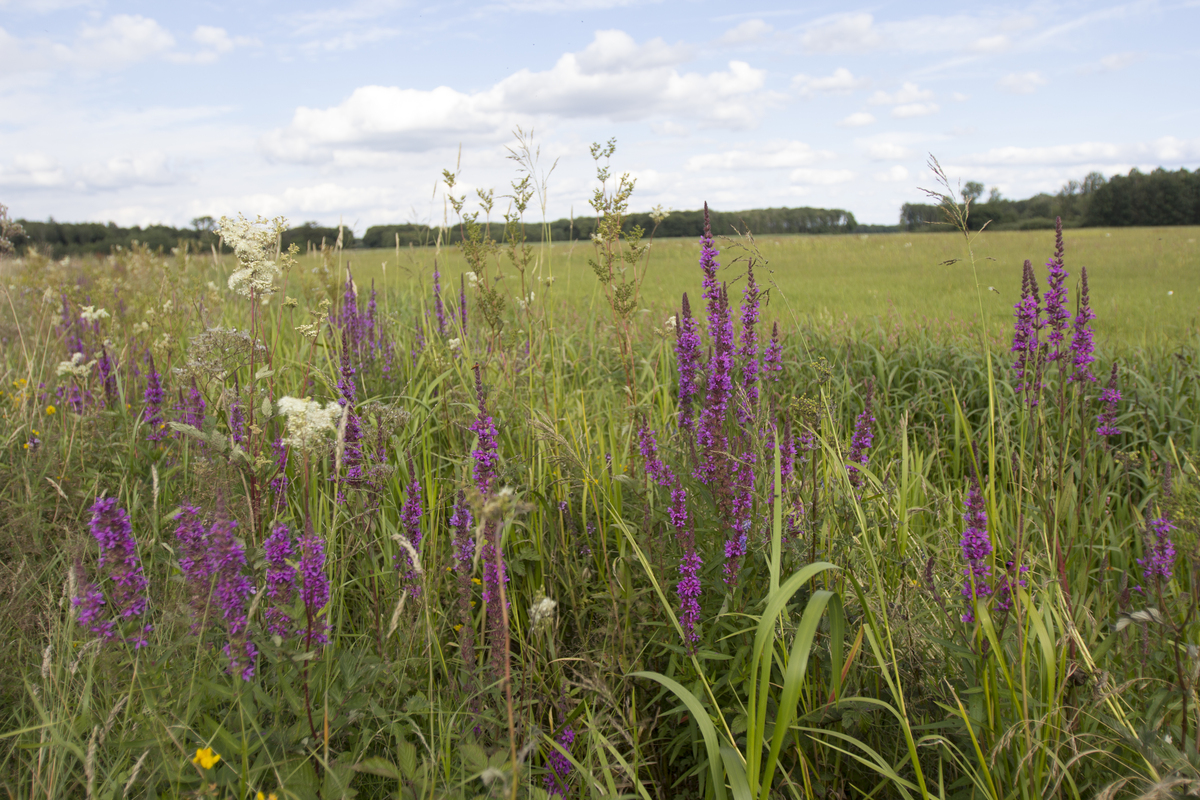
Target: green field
(883,570)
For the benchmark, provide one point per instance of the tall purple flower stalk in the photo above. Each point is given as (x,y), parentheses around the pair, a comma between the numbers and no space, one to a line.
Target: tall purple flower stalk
(560,766)
(1110,397)
(709,265)
(976,548)
(121,568)
(314,587)
(153,414)
(1082,344)
(773,356)
(711,440)
(657,471)
(410,519)
(213,564)
(1160,553)
(352,446)
(108,376)
(494,574)
(687,358)
(1057,316)
(748,351)
(191,408)
(484,454)
(688,588)
(1025,336)
(350,322)
(860,444)
(279,549)
(743,499)
(464,557)
(438,310)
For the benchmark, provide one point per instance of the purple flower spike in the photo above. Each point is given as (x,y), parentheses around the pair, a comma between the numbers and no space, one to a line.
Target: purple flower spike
(748,351)
(1160,554)
(773,357)
(410,518)
(860,444)
(657,471)
(687,358)
(119,565)
(1025,336)
(1082,345)
(279,549)
(153,414)
(438,310)
(1057,316)
(352,450)
(560,767)
(464,557)
(108,376)
(708,263)
(484,454)
(314,586)
(1110,397)
(688,589)
(743,499)
(711,440)
(976,548)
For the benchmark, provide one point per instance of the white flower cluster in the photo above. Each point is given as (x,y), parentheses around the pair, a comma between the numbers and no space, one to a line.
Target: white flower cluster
(472,279)
(308,424)
(455,344)
(671,323)
(141,327)
(523,302)
(91,314)
(254,245)
(75,367)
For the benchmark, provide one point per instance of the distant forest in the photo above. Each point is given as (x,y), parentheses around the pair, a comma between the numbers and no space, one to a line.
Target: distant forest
(1160,197)
(1155,198)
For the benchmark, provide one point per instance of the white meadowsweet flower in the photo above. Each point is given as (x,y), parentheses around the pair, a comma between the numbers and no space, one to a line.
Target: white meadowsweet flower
(254,245)
(455,344)
(75,367)
(472,279)
(671,323)
(141,327)
(91,314)
(541,613)
(308,424)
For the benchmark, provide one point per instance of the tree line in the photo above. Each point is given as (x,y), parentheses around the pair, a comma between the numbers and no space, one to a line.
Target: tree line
(1160,197)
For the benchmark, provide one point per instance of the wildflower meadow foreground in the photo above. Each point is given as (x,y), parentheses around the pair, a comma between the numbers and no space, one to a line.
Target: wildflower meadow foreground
(272,530)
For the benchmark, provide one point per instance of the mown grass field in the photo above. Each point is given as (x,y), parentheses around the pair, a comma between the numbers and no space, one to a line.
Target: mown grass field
(267,535)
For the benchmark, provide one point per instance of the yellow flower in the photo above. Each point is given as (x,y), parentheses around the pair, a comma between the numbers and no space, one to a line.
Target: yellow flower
(27,445)
(261,796)
(206,758)
(36,432)
(458,627)
(476,581)
(50,409)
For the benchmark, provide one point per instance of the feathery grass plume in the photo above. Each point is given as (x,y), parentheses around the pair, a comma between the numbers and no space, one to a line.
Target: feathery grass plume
(748,351)
(153,414)
(976,549)
(1057,316)
(1109,397)
(1025,336)
(464,556)
(1082,343)
(560,767)
(1159,562)
(121,568)
(688,588)
(314,586)
(860,444)
(687,359)
(279,550)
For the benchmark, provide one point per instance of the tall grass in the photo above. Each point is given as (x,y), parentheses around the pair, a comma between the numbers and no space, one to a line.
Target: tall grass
(834,662)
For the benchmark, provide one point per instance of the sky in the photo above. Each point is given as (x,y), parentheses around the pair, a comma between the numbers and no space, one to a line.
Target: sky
(147,112)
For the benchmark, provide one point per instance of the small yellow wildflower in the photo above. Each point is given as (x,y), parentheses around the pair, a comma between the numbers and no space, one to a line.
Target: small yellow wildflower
(476,581)
(51,409)
(261,796)
(458,627)
(36,432)
(27,445)
(206,758)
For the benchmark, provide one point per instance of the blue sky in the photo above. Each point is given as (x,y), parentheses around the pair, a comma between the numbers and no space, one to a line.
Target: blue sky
(161,112)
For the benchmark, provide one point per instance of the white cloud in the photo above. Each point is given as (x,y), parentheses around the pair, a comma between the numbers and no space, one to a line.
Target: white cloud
(120,41)
(821,177)
(992,44)
(842,33)
(145,169)
(595,84)
(1021,82)
(1116,61)
(909,110)
(857,120)
(888,151)
(32,171)
(216,39)
(842,81)
(748,32)
(893,175)
(959,97)
(858,32)
(1167,149)
(779,155)
(908,93)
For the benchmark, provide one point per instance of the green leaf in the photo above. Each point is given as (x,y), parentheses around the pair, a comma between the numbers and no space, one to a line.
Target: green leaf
(711,744)
(378,766)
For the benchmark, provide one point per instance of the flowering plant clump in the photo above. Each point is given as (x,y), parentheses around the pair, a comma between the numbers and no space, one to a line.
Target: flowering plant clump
(976,550)
(122,571)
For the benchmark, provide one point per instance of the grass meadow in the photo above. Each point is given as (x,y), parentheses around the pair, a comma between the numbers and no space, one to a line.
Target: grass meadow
(351,524)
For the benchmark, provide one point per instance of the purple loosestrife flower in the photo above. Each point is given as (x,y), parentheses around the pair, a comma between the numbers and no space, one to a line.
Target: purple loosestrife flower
(1013,576)
(191,408)
(464,556)
(1025,335)
(1160,554)
(748,351)
(484,453)
(861,442)
(1082,344)
(773,357)
(560,766)
(279,548)
(687,358)
(688,588)
(120,565)
(710,437)
(410,518)
(108,376)
(1109,397)
(976,548)
(743,500)
(350,323)
(352,441)
(1057,316)
(708,263)
(314,586)
(438,310)
(153,414)
(656,470)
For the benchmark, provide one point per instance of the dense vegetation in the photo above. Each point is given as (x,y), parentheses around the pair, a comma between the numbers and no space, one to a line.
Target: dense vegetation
(272,530)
